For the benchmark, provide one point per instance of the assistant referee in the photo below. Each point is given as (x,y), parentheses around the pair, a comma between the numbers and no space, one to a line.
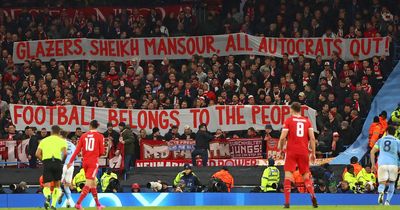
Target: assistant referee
(52,151)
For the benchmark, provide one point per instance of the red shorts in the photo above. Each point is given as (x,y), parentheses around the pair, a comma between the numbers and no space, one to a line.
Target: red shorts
(297,160)
(90,170)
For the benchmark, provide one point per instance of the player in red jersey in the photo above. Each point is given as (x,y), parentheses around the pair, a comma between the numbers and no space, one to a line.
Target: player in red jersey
(298,132)
(92,146)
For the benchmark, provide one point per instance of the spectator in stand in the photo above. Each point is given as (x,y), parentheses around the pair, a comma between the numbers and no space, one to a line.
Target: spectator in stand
(346,135)
(75,136)
(203,138)
(111,135)
(10,132)
(155,135)
(21,135)
(219,134)
(251,133)
(116,148)
(325,141)
(356,123)
(142,134)
(172,133)
(32,147)
(128,140)
(188,134)
(336,144)
(267,138)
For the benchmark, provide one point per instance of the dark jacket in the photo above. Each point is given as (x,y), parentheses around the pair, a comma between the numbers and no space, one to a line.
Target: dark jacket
(357,125)
(33,145)
(171,136)
(202,140)
(325,141)
(114,135)
(151,137)
(191,136)
(129,139)
(347,135)
(191,181)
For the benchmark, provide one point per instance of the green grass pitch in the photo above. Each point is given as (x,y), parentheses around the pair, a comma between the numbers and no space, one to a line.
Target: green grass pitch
(235,208)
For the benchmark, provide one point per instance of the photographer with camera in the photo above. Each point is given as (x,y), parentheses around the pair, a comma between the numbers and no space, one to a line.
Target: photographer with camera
(187,179)
(216,185)
(344,187)
(110,182)
(158,186)
(203,138)
(220,178)
(270,178)
(19,188)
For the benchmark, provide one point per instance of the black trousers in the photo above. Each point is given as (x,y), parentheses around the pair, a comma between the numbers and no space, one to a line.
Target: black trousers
(204,156)
(33,162)
(52,170)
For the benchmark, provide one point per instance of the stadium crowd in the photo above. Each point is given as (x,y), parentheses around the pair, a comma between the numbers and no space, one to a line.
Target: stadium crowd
(341,92)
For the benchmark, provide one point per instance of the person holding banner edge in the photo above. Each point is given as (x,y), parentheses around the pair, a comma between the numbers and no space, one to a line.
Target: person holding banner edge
(203,138)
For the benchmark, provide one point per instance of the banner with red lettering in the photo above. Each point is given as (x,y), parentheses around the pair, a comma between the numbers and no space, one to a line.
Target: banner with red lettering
(156,48)
(174,149)
(211,162)
(219,162)
(246,148)
(12,151)
(272,149)
(280,162)
(182,149)
(101,13)
(227,118)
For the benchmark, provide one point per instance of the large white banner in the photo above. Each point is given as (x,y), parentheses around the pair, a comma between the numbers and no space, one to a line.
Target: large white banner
(227,118)
(13,151)
(156,48)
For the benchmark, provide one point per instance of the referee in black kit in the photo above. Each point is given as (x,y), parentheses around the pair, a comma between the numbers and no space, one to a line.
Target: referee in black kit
(52,151)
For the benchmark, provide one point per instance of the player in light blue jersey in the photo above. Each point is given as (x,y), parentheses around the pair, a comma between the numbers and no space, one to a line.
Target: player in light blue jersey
(67,172)
(388,160)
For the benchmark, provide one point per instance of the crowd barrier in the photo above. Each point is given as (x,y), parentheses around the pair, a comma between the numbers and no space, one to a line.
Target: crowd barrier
(196,199)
